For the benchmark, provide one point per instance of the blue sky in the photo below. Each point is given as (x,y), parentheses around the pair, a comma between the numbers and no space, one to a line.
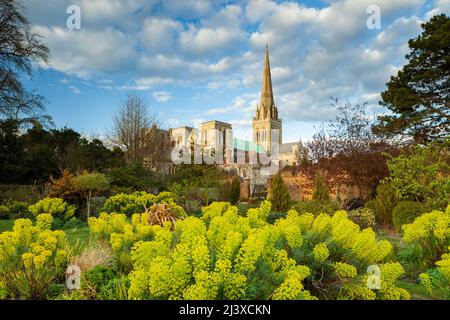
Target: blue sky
(198,60)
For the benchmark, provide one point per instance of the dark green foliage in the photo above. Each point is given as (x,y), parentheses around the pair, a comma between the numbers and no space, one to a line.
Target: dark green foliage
(4,212)
(419,95)
(134,177)
(235,191)
(410,256)
(14,210)
(321,191)
(274,216)
(73,223)
(363,217)
(422,174)
(384,203)
(405,212)
(317,207)
(115,289)
(279,195)
(93,280)
(194,186)
(370,204)
(38,154)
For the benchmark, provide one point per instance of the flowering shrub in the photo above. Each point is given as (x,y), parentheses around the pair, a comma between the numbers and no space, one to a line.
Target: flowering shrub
(338,253)
(31,257)
(139,202)
(56,207)
(430,234)
(364,217)
(222,256)
(226,256)
(439,277)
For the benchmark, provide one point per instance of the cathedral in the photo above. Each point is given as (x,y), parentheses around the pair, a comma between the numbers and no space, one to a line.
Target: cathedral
(214,140)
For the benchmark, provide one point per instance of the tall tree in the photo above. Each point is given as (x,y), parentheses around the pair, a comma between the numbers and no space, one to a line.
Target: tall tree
(156,147)
(20,50)
(130,125)
(419,96)
(279,194)
(348,145)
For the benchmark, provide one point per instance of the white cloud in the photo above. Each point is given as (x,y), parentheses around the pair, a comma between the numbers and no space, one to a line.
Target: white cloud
(86,52)
(159,34)
(216,47)
(74,89)
(224,84)
(440,6)
(162,96)
(206,40)
(245,103)
(189,9)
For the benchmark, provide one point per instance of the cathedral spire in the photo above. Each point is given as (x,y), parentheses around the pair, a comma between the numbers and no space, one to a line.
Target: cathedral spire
(267,100)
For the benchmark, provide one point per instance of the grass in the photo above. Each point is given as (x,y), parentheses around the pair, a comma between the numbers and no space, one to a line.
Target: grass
(6,225)
(80,235)
(418,292)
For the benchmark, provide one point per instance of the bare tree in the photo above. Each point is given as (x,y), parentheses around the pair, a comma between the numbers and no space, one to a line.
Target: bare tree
(20,50)
(130,124)
(156,147)
(347,144)
(302,154)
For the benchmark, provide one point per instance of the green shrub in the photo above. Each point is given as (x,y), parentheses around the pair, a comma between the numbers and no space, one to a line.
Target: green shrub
(384,203)
(405,212)
(226,256)
(4,212)
(57,207)
(437,280)
(279,194)
(32,258)
(91,184)
(235,191)
(139,202)
(321,192)
(317,207)
(363,217)
(430,233)
(94,280)
(73,223)
(422,174)
(410,258)
(115,289)
(19,209)
(274,216)
(370,205)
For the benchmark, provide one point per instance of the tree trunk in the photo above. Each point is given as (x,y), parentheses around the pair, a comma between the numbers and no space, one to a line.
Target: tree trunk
(88,209)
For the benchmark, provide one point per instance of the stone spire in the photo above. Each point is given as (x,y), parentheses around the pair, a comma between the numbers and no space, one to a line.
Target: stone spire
(267,105)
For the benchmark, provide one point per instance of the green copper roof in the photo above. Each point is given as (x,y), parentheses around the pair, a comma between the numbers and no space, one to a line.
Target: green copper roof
(247,146)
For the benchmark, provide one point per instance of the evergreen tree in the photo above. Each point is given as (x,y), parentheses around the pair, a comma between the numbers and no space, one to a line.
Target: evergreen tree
(321,192)
(279,195)
(419,95)
(235,191)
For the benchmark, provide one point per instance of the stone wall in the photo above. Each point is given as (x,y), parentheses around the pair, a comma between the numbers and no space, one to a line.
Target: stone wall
(245,190)
(301,186)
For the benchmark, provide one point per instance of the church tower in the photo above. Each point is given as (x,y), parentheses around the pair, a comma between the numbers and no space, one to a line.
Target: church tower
(266,119)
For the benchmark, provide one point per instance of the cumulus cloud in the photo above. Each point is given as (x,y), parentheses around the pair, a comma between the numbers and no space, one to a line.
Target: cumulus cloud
(88,51)
(214,47)
(162,96)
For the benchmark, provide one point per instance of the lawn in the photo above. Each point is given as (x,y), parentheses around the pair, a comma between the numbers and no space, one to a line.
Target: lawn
(76,237)
(418,292)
